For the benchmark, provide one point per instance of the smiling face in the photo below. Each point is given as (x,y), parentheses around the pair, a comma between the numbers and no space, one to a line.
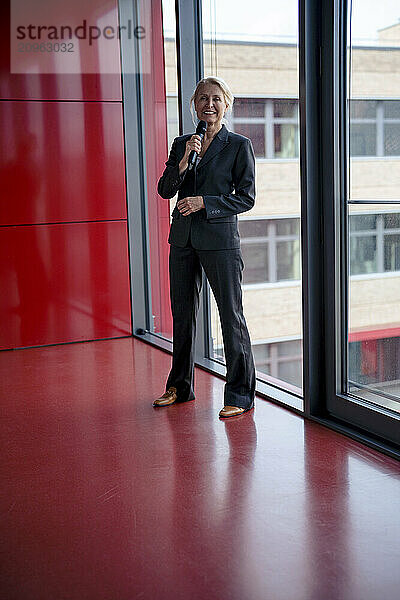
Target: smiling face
(210,104)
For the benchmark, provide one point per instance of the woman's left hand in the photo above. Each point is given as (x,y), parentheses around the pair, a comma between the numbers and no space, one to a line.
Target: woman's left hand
(190,204)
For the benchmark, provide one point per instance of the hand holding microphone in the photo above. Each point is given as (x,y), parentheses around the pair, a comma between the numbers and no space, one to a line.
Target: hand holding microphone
(193,148)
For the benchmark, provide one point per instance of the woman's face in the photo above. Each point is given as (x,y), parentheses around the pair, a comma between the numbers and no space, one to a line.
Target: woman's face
(210,104)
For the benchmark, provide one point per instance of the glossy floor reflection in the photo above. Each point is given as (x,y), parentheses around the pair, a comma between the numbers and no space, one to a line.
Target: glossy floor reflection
(105,497)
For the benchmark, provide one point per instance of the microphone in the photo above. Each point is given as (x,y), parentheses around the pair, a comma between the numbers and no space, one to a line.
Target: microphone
(200,130)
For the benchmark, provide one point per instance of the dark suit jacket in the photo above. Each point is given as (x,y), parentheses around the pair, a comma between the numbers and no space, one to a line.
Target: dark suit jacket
(224,177)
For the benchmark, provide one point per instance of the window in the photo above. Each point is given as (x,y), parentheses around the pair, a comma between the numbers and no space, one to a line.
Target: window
(376,360)
(280,360)
(172,118)
(374,243)
(271,124)
(391,115)
(374,127)
(160,125)
(271,249)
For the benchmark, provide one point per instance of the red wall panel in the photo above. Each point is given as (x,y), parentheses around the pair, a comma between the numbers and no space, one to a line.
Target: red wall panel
(64,271)
(61,161)
(63,283)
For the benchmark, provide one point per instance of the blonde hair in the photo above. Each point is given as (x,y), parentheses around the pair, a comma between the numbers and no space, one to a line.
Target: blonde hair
(226,92)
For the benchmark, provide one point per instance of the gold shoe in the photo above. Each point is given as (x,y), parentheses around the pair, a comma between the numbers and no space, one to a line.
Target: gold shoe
(169,397)
(234,411)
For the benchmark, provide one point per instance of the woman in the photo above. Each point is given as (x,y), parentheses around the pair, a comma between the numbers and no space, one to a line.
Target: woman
(204,234)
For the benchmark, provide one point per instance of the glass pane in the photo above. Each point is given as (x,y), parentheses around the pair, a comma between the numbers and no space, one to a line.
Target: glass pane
(390,360)
(363,257)
(392,109)
(172,118)
(392,221)
(373,368)
(286,108)
(253,228)
(392,252)
(281,361)
(362,223)
(373,87)
(255,257)
(286,141)
(287,226)
(255,51)
(159,88)
(288,260)
(290,371)
(249,107)
(362,139)
(256,133)
(362,109)
(292,348)
(392,139)
(261,353)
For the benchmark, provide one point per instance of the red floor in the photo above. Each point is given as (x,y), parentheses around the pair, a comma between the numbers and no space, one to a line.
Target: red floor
(105,497)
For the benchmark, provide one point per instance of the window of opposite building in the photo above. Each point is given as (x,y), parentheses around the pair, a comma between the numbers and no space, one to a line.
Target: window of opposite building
(374,243)
(272,124)
(271,247)
(374,127)
(279,360)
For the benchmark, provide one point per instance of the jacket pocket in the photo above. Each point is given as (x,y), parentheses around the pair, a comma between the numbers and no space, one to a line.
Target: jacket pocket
(231,219)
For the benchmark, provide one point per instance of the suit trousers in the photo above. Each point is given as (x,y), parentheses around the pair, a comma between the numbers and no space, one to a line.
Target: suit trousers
(223,269)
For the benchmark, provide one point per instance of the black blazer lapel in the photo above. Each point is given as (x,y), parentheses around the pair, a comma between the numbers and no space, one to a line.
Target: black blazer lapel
(218,144)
